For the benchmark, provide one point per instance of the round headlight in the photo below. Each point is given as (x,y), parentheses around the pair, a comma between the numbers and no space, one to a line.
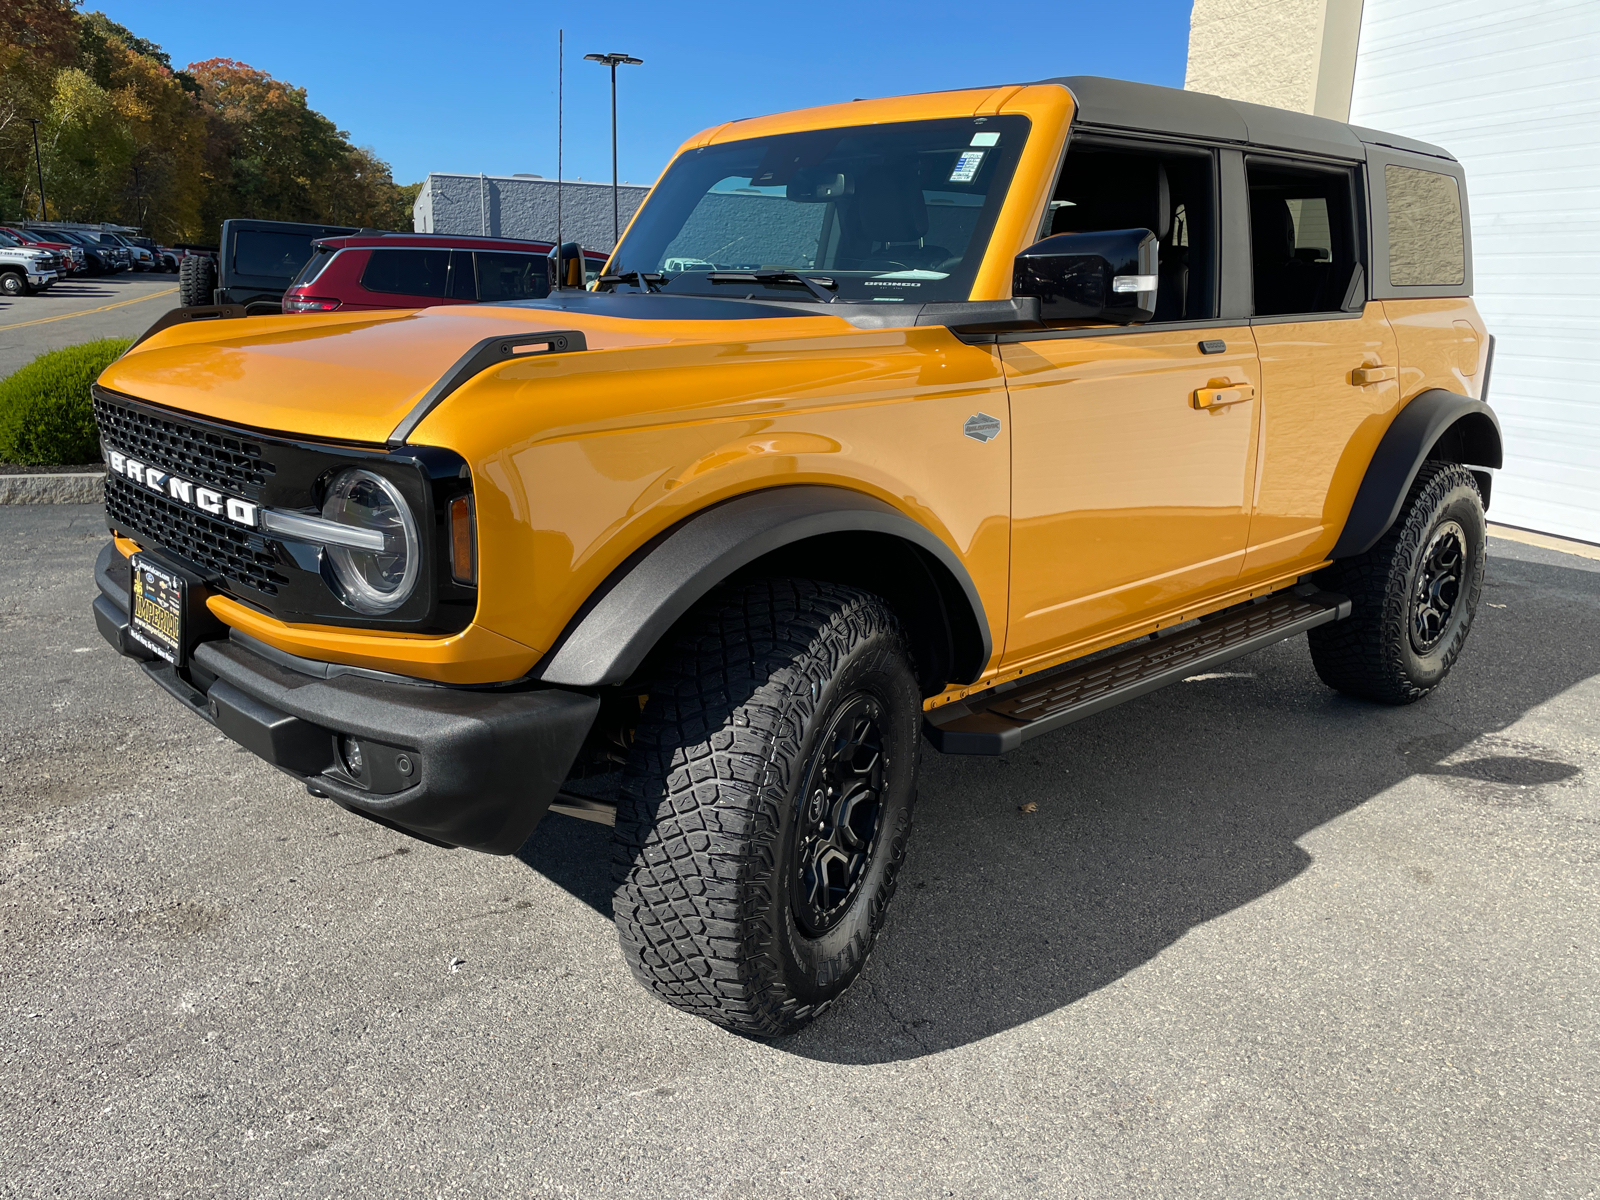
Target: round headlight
(372,581)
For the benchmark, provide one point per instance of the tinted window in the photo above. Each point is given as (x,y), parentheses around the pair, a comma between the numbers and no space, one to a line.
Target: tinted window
(268,254)
(892,212)
(319,259)
(1426,246)
(1302,237)
(511,276)
(408,272)
(1167,192)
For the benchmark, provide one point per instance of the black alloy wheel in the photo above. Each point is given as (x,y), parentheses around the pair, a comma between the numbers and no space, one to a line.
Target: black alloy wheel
(840,816)
(1438,588)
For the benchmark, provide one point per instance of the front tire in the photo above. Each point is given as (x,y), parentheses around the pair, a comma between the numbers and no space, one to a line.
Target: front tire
(1413,595)
(12,284)
(765,810)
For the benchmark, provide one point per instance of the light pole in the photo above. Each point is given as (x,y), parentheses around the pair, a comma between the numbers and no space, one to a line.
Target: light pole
(38,161)
(613,61)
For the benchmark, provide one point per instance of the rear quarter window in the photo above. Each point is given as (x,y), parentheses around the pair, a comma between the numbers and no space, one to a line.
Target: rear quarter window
(322,256)
(1426,246)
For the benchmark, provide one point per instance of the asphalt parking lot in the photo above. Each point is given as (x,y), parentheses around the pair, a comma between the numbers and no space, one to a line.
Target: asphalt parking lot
(1256,940)
(80,309)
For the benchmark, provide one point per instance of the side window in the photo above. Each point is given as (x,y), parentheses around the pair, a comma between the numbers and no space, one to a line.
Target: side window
(507,276)
(1303,249)
(407,272)
(1426,246)
(463,280)
(1168,191)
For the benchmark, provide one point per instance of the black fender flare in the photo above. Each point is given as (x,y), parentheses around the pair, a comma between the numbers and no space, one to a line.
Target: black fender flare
(608,639)
(1467,432)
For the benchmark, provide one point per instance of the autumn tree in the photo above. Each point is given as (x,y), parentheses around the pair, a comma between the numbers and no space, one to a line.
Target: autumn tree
(126,138)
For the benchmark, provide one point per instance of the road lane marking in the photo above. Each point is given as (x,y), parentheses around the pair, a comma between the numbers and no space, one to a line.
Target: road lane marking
(84,312)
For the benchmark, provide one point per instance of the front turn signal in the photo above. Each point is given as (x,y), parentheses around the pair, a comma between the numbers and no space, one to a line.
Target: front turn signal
(463,541)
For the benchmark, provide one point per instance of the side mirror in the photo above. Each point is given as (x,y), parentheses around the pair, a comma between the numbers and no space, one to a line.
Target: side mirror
(1105,276)
(566,266)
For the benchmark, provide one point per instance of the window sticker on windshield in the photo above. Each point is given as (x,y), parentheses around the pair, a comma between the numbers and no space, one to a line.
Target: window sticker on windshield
(966,169)
(985,139)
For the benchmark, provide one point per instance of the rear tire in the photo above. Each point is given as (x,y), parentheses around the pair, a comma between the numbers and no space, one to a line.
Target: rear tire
(765,810)
(1413,595)
(197,281)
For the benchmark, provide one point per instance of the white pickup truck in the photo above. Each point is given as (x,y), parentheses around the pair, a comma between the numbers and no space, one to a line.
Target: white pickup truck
(24,270)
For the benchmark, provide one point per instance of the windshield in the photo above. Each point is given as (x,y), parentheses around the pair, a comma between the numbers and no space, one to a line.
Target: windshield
(879,213)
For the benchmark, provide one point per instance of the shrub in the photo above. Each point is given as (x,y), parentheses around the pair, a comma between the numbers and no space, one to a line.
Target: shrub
(46,415)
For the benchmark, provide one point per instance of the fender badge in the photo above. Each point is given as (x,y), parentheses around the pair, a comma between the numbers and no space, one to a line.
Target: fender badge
(981,427)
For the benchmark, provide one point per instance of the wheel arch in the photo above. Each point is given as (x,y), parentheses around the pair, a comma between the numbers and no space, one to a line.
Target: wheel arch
(1438,425)
(806,530)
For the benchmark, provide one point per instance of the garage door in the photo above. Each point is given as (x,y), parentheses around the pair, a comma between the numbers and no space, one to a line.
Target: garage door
(1513,91)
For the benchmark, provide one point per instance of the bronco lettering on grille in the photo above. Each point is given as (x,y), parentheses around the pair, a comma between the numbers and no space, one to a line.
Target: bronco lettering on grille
(184,491)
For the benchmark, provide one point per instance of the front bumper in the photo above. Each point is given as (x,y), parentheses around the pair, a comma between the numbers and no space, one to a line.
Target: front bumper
(41,279)
(461,767)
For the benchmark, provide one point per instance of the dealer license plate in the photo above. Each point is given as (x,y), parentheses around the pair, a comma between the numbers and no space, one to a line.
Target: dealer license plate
(157,618)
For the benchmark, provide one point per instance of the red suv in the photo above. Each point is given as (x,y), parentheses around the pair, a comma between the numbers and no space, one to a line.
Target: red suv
(419,270)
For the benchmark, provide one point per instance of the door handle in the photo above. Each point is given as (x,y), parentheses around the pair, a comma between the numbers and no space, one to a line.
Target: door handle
(1363,376)
(1219,393)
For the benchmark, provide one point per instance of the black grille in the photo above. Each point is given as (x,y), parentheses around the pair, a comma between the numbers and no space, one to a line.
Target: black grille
(203,456)
(216,546)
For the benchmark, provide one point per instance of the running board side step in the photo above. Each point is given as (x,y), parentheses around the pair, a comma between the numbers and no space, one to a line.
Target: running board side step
(999,721)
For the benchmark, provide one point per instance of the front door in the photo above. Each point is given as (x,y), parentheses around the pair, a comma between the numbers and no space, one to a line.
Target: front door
(1127,500)
(1133,455)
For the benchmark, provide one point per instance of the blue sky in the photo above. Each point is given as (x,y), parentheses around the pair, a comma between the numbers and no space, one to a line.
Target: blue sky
(471,86)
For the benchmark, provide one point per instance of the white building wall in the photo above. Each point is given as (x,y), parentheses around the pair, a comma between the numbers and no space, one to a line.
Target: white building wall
(1513,91)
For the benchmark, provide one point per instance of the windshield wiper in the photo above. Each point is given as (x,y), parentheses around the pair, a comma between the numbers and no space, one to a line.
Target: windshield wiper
(812,283)
(645,281)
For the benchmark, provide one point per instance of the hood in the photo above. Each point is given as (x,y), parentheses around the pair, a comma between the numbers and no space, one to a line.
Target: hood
(353,377)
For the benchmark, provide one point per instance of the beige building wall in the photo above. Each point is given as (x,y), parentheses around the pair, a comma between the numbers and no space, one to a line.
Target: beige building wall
(1295,54)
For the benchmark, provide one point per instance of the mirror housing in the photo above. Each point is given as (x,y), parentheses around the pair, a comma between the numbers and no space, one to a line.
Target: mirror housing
(1109,275)
(566,266)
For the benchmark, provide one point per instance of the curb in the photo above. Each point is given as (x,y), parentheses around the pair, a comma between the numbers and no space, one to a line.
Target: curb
(53,489)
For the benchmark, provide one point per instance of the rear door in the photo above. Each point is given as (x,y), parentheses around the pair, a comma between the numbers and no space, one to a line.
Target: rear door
(1328,357)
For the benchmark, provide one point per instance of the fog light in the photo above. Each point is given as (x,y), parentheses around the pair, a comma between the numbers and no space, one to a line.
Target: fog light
(350,752)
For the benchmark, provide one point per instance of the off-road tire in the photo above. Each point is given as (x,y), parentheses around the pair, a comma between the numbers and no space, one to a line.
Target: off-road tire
(1375,653)
(13,284)
(197,281)
(712,819)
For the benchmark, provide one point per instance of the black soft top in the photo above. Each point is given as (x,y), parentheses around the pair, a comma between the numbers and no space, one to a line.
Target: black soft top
(1118,104)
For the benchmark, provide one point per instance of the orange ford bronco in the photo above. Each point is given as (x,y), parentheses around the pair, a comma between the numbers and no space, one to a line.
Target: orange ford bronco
(949,418)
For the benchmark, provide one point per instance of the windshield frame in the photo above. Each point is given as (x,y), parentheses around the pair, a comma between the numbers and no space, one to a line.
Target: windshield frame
(684,185)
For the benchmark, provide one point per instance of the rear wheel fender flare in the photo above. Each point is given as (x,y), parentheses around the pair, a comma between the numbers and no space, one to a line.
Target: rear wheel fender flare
(1435,424)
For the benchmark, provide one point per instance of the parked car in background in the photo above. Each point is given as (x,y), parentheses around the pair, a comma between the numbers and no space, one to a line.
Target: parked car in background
(26,269)
(257,262)
(106,257)
(419,270)
(99,259)
(161,259)
(73,259)
(139,257)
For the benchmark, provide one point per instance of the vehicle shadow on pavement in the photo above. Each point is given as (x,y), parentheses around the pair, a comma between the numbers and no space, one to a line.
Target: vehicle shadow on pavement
(1156,817)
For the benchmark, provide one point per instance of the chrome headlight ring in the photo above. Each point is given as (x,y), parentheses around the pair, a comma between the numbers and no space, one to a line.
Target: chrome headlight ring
(372,581)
